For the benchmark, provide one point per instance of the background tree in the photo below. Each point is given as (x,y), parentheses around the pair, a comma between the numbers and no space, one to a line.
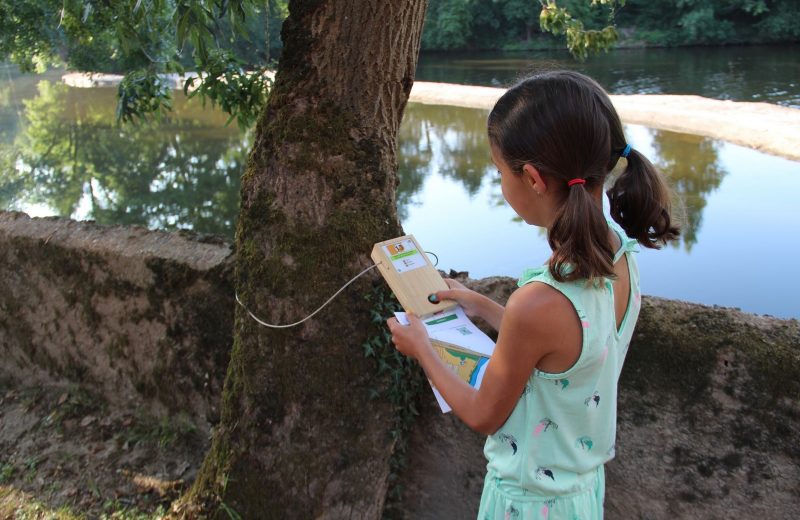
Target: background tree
(144,38)
(692,22)
(511,24)
(448,24)
(590,25)
(177,173)
(693,167)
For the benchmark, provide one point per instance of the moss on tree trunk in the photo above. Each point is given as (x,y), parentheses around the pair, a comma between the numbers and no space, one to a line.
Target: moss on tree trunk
(299,434)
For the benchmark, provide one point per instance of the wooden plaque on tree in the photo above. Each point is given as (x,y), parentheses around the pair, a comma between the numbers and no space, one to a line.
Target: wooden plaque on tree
(410,274)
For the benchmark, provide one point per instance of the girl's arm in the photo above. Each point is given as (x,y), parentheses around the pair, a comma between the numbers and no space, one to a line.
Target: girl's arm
(531,329)
(474,304)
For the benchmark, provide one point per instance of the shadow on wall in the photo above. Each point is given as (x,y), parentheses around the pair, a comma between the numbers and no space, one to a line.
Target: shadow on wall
(144,318)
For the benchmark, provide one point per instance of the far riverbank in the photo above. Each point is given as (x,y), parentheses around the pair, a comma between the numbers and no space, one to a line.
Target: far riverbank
(762,126)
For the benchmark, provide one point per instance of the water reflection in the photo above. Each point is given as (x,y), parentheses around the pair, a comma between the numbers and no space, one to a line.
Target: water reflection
(451,142)
(184,172)
(414,157)
(71,156)
(62,154)
(732,211)
(692,165)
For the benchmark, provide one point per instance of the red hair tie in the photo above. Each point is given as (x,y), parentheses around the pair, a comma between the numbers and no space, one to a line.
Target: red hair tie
(573,182)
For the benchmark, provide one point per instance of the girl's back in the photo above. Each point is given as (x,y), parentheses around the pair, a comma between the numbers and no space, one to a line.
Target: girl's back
(562,430)
(549,395)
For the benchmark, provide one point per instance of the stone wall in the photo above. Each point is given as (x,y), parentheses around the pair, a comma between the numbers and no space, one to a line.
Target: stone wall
(709,406)
(708,424)
(143,318)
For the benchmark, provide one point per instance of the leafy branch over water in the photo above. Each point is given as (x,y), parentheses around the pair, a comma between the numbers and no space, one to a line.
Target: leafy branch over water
(581,41)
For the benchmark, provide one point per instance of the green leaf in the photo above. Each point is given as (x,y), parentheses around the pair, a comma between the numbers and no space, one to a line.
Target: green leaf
(183,26)
(580,41)
(369,351)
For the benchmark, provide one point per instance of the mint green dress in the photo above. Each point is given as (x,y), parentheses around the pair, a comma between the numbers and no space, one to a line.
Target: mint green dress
(547,460)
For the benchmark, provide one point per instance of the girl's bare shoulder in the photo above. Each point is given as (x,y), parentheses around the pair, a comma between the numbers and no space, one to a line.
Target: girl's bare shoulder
(539,309)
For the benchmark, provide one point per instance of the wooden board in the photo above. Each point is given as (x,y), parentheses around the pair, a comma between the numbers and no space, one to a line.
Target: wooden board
(410,274)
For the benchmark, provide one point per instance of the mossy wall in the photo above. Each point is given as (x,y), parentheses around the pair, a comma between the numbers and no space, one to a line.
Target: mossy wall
(709,406)
(143,318)
(708,422)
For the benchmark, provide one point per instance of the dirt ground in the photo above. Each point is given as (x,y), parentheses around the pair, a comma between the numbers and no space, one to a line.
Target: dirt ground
(64,454)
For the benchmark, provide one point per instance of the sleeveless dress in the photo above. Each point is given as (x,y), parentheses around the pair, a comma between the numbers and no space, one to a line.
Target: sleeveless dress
(547,460)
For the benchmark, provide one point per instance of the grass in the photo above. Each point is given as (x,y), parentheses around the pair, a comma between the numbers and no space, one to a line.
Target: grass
(164,432)
(21,506)
(6,472)
(116,510)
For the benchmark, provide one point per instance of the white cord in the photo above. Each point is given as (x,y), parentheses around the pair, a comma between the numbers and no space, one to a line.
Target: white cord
(313,313)
(356,277)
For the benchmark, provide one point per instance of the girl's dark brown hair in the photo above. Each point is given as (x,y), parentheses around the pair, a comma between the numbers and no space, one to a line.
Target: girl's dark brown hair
(563,124)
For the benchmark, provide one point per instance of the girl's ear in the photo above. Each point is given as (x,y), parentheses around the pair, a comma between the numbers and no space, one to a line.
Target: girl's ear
(534,179)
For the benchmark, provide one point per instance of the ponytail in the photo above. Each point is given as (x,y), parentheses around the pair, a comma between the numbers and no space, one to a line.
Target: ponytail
(564,124)
(640,203)
(578,237)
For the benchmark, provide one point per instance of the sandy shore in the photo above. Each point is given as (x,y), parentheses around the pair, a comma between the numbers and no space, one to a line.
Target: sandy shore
(765,127)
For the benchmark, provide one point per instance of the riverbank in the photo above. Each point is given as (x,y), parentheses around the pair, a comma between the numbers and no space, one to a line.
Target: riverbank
(764,127)
(117,340)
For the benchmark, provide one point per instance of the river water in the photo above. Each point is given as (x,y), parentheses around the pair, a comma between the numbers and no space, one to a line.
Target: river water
(740,219)
(740,73)
(61,154)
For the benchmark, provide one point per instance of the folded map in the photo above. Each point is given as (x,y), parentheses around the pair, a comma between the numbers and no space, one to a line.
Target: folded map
(460,344)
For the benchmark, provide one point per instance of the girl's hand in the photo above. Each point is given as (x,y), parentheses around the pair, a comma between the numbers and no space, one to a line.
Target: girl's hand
(410,339)
(469,300)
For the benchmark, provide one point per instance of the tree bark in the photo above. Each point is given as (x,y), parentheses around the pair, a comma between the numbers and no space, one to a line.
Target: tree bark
(299,435)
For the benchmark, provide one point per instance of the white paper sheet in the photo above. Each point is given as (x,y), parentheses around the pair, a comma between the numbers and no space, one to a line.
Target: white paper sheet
(454,327)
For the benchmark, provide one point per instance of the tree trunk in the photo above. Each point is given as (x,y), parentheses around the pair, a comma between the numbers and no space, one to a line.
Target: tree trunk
(299,435)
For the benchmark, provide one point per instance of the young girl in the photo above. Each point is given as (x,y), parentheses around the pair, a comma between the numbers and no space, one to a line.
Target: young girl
(548,398)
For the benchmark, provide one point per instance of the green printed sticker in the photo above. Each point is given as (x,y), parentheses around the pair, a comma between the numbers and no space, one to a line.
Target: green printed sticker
(405,256)
(443,319)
